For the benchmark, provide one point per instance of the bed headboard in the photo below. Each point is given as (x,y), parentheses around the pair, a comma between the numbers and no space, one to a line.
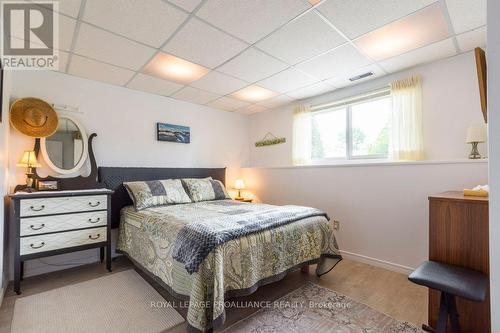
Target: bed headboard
(113,178)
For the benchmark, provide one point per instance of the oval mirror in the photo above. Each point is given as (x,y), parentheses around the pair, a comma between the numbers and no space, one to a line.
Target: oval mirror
(65,151)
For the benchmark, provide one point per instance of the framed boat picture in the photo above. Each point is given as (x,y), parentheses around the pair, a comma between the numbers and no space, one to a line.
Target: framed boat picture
(173,133)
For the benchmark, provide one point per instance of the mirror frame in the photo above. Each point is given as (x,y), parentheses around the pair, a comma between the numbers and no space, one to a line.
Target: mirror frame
(85,152)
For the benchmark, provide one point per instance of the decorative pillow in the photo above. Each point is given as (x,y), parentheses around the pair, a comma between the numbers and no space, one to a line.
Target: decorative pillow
(156,193)
(205,189)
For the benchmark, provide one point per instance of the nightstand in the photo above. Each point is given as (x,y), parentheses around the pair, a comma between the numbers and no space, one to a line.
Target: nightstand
(244,200)
(52,223)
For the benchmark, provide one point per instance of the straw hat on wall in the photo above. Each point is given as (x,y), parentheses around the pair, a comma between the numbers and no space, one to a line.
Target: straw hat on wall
(33,117)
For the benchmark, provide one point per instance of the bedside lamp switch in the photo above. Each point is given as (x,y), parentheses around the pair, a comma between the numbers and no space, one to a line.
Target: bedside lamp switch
(336,224)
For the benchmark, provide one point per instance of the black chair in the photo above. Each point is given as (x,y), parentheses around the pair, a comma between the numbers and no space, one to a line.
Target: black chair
(451,281)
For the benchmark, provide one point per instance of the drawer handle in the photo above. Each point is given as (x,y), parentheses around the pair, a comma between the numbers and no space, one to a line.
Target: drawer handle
(95,204)
(96,237)
(37,247)
(40,227)
(37,209)
(94,221)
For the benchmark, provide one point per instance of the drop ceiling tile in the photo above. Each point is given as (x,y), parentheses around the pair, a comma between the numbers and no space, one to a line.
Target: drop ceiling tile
(334,63)
(251,20)
(98,71)
(193,95)
(188,5)
(429,53)
(69,7)
(66,32)
(204,44)
(301,39)
(343,80)
(424,27)
(102,45)
(472,39)
(254,108)
(287,80)
(63,61)
(252,65)
(153,85)
(312,90)
(276,101)
(219,83)
(357,17)
(228,104)
(466,14)
(149,22)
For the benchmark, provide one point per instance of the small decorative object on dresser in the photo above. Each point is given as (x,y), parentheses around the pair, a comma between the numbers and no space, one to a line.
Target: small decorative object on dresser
(51,223)
(47,185)
(173,133)
(475,135)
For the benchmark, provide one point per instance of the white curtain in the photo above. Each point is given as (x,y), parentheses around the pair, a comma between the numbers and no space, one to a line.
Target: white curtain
(407,130)
(301,135)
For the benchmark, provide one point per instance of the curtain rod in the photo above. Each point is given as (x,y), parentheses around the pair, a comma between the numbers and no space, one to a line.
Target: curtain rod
(351,99)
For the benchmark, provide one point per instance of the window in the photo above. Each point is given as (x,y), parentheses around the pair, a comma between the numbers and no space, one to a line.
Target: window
(353,129)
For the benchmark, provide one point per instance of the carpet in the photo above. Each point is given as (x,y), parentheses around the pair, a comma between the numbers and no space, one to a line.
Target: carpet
(120,302)
(315,309)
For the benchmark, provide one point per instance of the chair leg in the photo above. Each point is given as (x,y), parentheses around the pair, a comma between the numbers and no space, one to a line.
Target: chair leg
(452,309)
(443,314)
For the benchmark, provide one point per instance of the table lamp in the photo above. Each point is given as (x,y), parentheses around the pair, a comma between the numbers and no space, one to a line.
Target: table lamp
(28,160)
(475,135)
(239,185)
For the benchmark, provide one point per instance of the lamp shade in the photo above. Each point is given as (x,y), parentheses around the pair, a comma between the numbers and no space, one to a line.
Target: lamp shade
(28,160)
(239,184)
(476,134)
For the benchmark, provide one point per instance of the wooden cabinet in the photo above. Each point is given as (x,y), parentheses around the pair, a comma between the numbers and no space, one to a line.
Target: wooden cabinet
(458,235)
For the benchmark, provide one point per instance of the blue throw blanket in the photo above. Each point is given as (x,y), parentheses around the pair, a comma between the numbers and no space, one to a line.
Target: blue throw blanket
(195,240)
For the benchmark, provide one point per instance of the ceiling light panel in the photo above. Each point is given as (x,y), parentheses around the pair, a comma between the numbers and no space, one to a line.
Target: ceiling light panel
(472,39)
(193,95)
(153,85)
(188,5)
(357,17)
(334,63)
(466,15)
(150,22)
(98,71)
(254,94)
(251,20)
(219,83)
(422,28)
(204,44)
(228,104)
(252,65)
(107,47)
(289,79)
(166,66)
(301,39)
(429,53)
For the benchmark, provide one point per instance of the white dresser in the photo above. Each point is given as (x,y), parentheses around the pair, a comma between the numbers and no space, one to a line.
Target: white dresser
(51,223)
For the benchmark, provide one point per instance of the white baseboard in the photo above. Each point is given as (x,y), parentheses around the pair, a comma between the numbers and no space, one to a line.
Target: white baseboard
(377,262)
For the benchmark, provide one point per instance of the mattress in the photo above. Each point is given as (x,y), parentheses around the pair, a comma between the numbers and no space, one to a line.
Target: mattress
(235,267)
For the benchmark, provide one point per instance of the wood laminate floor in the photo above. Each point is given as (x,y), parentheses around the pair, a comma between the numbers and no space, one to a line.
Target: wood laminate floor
(383,290)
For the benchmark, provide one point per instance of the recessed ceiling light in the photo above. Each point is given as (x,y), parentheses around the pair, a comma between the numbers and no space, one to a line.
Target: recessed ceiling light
(167,66)
(254,94)
(422,28)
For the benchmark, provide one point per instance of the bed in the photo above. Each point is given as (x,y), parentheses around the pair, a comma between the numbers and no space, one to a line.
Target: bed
(236,267)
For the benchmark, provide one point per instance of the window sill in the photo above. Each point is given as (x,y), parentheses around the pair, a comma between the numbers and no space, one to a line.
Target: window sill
(364,163)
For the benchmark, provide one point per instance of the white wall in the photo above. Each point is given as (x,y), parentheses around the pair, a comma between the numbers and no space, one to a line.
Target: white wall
(4,140)
(125,121)
(450,102)
(494,148)
(382,208)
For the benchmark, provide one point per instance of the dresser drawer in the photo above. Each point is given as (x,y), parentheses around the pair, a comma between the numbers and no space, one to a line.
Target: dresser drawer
(45,224)
(61,240)
(46,206)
